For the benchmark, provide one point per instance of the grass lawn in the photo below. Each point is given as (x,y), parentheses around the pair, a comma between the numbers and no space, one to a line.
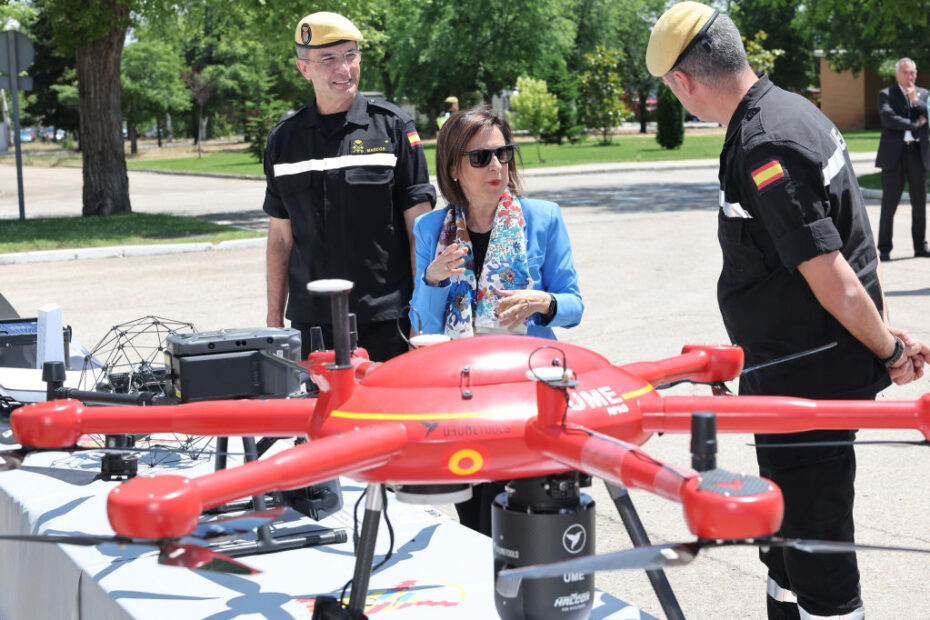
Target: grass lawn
(874,180)
(139,228)
(623,148)
(232,159)
(588,151)
(239,163)
(124,229)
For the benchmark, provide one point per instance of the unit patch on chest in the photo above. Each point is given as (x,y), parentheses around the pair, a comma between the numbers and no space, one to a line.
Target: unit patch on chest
(375,145)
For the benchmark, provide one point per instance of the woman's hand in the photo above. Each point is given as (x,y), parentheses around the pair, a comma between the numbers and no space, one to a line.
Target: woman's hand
(451,262)
(514,307)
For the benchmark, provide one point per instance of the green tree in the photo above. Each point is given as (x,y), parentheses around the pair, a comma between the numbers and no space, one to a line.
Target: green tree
(535,109)
(94,33)
(787,25)
(761,60)
(601,97)
(151,85)
(478,52)
(584,24)
(862,34)
(670,119)
(633,30)
(563,84)
(50,73)
(259,124)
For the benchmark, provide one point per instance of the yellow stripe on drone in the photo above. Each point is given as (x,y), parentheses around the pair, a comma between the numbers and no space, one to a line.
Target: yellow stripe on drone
(646,388)
(354,415)
(351,415)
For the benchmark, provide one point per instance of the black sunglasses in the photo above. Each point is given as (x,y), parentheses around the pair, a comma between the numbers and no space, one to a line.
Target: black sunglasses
(479,158)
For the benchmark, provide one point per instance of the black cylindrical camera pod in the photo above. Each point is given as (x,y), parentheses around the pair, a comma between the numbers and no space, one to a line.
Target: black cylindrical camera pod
(534,532)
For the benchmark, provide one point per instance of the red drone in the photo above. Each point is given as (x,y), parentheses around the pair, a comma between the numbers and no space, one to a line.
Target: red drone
(433,422)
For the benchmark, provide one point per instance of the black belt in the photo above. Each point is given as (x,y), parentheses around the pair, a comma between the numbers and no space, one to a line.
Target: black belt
(911,144)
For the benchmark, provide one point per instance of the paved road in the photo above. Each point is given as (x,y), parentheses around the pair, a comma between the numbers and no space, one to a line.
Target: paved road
(645,247)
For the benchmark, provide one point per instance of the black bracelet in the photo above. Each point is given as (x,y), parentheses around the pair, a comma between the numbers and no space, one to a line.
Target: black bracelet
(896,354)
(550,312)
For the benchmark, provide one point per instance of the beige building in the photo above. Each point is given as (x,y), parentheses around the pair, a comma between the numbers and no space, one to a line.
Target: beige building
(851,101)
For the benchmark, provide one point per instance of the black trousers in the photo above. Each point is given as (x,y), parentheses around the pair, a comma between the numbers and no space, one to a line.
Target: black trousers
(819,498)
(382,339)
(910,169)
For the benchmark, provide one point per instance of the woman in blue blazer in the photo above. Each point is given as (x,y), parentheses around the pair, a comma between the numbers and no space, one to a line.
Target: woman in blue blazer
(490,261)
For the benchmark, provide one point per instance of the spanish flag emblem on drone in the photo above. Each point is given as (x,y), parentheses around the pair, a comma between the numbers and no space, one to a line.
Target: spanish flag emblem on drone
(767,174)
(414,138)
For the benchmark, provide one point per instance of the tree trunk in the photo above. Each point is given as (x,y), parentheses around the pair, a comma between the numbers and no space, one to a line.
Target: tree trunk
(133,133)
(106,185)
(201,132)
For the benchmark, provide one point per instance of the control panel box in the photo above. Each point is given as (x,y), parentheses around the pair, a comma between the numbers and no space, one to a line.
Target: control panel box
(19,342)
(234,363)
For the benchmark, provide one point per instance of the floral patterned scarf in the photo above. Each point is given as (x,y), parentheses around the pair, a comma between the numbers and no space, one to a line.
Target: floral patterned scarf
(474,299)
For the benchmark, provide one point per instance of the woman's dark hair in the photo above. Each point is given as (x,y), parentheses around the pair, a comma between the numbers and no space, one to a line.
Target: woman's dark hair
(454,137)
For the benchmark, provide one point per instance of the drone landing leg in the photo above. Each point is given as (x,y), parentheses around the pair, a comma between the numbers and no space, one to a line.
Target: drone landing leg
(365,550)
(634,527)
(266,542)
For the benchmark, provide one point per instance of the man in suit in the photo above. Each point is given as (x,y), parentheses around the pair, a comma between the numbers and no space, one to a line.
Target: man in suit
(903,154)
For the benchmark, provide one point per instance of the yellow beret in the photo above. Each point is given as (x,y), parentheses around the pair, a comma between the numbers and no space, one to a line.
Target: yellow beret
(675,34)
(452,100)
(324,29)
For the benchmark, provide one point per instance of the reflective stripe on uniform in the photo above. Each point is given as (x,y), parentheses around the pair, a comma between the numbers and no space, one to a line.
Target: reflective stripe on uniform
(333,163)
(783,595)
(836,163)
(732,209)
(856,614)
(779,593)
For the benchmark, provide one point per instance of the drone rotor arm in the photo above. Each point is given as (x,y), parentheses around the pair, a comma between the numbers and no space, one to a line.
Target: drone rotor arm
(716,503)
(783,414)
(697,363)
(61,423)
(613,460)
(168,506)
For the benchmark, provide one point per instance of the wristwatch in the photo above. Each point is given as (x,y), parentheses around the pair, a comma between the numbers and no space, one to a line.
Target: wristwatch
(896,354)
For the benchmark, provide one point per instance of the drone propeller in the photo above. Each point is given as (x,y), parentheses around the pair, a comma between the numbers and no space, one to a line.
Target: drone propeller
(195,557)
(654,557)
(224,528)
(11,459)
(173,552)
(720,388)
(829,444)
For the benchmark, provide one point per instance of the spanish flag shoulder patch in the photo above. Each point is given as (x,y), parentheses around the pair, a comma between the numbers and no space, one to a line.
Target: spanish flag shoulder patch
(768,174)
(414,138)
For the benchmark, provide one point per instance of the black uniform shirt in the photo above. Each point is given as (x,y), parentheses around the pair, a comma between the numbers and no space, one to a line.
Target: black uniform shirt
(345,184)
(789,194)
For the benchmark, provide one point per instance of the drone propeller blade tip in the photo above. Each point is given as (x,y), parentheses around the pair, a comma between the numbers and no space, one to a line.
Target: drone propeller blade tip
(230,527)
(196,557)
(10,460)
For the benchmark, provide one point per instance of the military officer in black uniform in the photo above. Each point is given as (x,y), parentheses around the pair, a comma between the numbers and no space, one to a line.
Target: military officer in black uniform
(346,177)
(799,271)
